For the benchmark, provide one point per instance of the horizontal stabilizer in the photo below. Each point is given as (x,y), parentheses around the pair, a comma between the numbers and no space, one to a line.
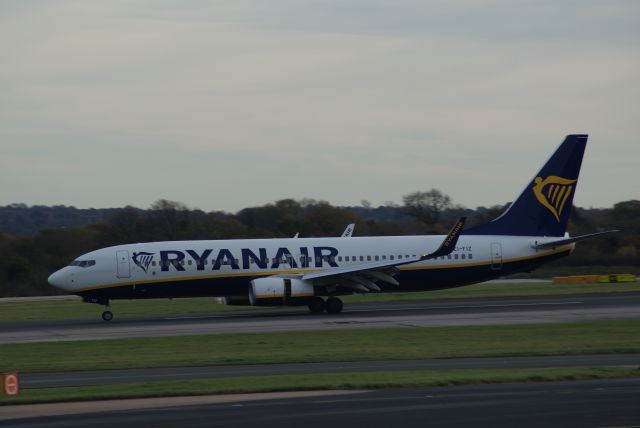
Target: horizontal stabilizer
(560,242)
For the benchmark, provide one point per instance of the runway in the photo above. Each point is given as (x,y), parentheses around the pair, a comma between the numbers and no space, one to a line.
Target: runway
(423,313)
(102,377)
(593,403)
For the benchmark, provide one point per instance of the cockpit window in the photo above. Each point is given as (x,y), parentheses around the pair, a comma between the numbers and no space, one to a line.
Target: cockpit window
(83,263)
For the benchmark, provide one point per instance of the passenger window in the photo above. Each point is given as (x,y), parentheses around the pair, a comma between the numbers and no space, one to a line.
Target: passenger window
(189,262)
(391,257)
(449,256)
(399,256)
(361,258)
(339,258)
(368,258)
(463,256)
(384,257)
(470,256)
(153,263)
(455,256)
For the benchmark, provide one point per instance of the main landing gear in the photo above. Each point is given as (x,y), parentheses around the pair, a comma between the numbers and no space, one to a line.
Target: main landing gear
(333,305)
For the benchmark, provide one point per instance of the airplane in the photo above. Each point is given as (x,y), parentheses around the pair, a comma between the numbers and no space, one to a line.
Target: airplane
(315,272)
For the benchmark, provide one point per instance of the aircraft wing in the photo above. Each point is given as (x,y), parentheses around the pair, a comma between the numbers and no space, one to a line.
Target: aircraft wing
(362,277)
(554,244)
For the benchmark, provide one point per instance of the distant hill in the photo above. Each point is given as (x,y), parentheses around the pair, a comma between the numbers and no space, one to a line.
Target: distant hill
(28,221)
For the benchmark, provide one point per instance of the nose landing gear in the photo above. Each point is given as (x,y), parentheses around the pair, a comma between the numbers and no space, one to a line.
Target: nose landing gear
(107,315)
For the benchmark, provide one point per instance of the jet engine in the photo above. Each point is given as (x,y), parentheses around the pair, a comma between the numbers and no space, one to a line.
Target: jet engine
(277,291)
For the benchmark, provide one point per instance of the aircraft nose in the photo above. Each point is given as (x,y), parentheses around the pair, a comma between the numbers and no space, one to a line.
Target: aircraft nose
(59,279)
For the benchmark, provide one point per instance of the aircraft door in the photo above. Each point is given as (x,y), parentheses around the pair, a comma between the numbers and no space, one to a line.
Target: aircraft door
(123,264)
(496,256)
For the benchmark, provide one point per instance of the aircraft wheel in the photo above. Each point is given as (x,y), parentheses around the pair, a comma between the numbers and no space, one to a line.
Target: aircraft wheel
(317,305)
(333,305)
(107,315)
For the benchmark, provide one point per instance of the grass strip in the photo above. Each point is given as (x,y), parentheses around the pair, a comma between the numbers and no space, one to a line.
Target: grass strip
(358,380)
(587,337)
(75,309)
(500,289)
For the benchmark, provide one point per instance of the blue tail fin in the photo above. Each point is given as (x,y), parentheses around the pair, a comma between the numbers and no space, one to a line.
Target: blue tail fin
(544,206)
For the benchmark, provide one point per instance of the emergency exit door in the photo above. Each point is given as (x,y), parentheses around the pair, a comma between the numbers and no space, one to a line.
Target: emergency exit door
(123,264)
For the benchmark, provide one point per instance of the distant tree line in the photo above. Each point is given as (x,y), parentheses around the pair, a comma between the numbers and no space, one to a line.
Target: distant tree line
(35,241)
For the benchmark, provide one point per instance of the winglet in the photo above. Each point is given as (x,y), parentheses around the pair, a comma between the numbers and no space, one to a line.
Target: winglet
(449,243)
(349,230)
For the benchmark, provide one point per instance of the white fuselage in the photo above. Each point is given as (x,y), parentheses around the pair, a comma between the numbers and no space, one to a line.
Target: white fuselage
(219,265)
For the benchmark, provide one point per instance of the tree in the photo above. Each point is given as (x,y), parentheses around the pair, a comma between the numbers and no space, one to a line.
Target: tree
(426,207)
(169,220)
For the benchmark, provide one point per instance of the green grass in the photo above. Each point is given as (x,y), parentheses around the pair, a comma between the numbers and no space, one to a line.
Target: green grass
(74,309)
(590,337)
(501,290)
(557,269)
(325,381)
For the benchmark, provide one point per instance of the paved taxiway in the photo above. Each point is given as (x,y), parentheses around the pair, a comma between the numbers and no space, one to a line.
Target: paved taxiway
(594,403)
(422,313)
(102,377)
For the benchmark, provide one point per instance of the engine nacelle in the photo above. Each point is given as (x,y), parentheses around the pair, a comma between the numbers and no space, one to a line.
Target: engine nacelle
(280,291)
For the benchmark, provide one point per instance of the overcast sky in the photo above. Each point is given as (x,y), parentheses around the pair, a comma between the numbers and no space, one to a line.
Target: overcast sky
(228,104)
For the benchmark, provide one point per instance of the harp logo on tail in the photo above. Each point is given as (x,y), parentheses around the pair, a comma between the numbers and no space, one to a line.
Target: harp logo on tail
(142,260)
(553,192)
